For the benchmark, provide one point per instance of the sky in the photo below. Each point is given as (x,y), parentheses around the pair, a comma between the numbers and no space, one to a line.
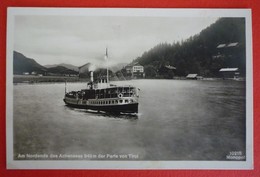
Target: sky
(78,40)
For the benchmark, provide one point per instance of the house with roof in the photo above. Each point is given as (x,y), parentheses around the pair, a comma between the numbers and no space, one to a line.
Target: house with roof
(166,71)
(227,49)
(192,76)
(228,73)
(135,70)
(170,67)
(228,45)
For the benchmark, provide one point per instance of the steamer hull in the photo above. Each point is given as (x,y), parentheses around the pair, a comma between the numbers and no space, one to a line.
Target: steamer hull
(117,99)
(124,108)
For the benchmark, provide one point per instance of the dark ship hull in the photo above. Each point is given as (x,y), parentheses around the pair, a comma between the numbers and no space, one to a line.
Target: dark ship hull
(117,99)
(126,108)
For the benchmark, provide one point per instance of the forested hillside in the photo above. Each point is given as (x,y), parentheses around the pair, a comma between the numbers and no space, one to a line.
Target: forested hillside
(199,54)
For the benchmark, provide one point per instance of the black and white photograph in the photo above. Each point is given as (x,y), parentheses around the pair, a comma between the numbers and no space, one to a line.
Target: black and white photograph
(104,88)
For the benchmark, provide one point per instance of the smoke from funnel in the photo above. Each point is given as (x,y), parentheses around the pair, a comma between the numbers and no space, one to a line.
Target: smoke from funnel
(91,76)
(92,67)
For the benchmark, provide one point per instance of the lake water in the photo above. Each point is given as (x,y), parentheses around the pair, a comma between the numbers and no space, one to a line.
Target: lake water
(177,120)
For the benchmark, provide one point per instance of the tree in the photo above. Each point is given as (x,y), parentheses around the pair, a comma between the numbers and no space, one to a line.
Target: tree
(150,71)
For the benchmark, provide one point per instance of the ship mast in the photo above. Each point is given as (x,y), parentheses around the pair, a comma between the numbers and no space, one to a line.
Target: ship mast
(65,86)
(106,57)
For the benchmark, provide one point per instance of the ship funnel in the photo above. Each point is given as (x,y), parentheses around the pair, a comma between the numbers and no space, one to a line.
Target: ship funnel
(91,76)
(92,68)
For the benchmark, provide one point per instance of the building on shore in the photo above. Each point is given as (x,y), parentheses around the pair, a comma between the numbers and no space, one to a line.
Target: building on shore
(135,70)
(192,76)
(229,73)
(167,71)
(26,73)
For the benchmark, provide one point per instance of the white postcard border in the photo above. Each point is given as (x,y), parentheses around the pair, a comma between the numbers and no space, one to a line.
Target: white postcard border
(81,164)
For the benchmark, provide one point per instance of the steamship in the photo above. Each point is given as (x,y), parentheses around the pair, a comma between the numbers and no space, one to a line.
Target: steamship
(102,96)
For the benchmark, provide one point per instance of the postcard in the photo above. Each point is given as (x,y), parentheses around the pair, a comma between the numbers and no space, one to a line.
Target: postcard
(122,88)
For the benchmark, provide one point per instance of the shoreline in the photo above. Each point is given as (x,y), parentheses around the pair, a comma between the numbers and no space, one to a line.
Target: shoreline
(31,79)
(46,79)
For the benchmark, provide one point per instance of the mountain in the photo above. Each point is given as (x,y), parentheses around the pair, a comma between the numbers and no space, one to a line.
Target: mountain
(200,53)
(61,70)
(23,64)
(69,66)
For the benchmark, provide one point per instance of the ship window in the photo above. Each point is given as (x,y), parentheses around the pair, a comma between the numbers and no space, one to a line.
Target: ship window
(126,101)
(116,101)
(120,101)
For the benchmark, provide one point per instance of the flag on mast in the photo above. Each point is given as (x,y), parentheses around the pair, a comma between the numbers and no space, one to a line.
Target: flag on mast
(106,56)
